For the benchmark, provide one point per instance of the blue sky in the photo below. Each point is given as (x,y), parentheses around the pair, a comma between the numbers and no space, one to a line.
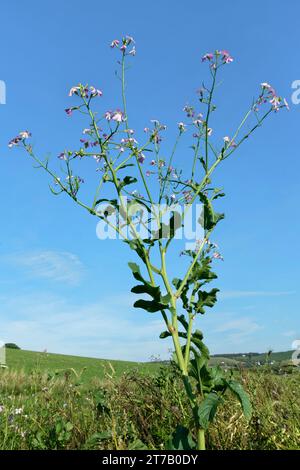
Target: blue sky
(63,289)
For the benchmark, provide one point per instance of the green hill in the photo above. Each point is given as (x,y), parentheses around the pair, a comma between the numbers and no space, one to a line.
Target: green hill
(91,368)
(255,357)
(29,361)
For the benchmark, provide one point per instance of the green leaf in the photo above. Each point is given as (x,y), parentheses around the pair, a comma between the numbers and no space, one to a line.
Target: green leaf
(181,440)
(195,367)
(136,272)
(237,389)
(208,408)
(196,339)
(147,289)
(183,321)
(127,180)
(205,299)
(168,230)
(202,271)
(125,165)
(150,305)
(209,217)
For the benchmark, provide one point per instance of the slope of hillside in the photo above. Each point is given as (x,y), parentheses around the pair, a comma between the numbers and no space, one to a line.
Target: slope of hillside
(58,363)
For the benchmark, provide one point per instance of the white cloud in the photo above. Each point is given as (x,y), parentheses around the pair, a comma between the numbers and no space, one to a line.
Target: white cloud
(109,329)
(54,265)
(238,329)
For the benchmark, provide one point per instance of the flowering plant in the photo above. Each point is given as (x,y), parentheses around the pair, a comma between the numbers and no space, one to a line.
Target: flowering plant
(168,192)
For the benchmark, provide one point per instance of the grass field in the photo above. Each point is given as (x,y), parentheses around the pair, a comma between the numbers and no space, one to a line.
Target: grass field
(133,408)
(91,368)
(88,368)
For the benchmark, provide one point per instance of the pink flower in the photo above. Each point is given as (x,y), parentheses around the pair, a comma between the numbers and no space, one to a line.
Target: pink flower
(275,102)
(118,116)
(74,90)
(95,92)
(229,141)
(217,255)
(24,134)
(208,56)
(141,158)
(226,57)
(114,43)
(189,110)
(19,138)
(108,115)
(14,142)
(267,87)
(69,111)
(148,173)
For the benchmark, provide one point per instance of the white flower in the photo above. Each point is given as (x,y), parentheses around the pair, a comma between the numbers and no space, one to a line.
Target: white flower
(74,90)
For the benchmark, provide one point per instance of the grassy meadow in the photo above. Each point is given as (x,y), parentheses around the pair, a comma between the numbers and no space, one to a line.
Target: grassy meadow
(51,401)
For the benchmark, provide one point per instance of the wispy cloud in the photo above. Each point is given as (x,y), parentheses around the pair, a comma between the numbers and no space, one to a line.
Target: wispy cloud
(236,294)
(238,329)
(109,328)
(54,265)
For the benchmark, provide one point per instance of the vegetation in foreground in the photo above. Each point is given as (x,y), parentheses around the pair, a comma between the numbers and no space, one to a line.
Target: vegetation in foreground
(136,410)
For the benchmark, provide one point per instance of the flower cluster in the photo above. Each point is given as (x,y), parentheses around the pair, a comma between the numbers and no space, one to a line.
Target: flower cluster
(213,58)
(123,45)
(116,115)
(268,94)
(155,134)
(210,248)
(85,91)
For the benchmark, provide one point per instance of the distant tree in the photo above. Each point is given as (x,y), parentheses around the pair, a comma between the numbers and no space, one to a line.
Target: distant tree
(12,346)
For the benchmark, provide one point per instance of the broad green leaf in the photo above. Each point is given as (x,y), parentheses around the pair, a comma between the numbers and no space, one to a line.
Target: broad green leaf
(205,299)
(150,305)
(237,389)
(136,272)
(208,408)
(196,339)
(147,289)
